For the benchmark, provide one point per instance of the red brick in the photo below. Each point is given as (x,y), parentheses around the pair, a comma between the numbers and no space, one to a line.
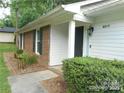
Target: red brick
(28,45)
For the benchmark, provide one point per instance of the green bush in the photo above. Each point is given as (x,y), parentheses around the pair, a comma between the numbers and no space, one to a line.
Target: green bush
(19,51)
(28,59)
(92,75)
(32,59)
(24,57)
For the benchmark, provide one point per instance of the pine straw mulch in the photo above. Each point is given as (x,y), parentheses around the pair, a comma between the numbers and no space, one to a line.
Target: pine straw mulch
(12,64)
(54,85)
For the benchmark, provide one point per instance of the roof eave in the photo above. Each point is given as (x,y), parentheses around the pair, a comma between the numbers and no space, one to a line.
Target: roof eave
(59,8)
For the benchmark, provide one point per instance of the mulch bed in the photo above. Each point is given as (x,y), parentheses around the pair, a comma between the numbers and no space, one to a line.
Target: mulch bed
(54,85)
(12,64)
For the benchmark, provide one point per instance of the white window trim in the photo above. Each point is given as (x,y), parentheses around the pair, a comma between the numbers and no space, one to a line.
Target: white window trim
(36,40)
(22,47)
(21,43)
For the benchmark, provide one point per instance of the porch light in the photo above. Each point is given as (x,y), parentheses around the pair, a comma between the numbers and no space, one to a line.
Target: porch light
(90,30)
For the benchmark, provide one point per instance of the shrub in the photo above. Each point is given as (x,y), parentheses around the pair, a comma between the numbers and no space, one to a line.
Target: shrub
(23,60)
(28,59)
(92,75)
(32,59)
(24,57)
(19,51)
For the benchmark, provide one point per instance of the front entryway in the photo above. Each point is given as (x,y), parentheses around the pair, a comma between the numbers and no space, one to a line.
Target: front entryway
(79,41)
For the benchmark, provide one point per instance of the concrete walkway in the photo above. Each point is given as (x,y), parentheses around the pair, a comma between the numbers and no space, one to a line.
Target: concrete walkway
(30,83)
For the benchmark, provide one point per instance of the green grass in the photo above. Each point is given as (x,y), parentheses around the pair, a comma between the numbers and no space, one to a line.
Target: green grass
(7,47)
(4,72)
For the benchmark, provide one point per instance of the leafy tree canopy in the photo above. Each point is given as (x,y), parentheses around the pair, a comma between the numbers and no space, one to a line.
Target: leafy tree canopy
(29,10)
(6,22)
(1,24)
(4,3)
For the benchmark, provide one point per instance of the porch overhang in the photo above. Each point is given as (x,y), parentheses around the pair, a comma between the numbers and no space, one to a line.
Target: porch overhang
(41,21)
(58,15)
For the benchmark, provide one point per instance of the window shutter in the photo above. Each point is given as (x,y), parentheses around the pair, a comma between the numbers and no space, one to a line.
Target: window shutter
(34,40)
(41,40)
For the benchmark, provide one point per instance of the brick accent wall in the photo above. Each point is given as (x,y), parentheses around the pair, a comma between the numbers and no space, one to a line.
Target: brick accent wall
(28,45)
(44,58)
(28,42)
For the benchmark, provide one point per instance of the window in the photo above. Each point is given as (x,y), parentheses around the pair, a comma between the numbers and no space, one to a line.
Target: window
(21,41)
(34,40)
(39,42)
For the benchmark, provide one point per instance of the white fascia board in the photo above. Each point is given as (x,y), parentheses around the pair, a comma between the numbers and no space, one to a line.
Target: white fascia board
(76,7)
(82,18)
(105,7)
(82,3)
(73,9)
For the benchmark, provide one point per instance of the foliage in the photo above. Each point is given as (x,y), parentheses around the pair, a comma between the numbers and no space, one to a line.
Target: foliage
(28,59)
(4,3)
(4,72)
(32,59)
(84,75)
(24,57)
(6,22)
(28,16)
(1,23)
(19,51)
(29,10)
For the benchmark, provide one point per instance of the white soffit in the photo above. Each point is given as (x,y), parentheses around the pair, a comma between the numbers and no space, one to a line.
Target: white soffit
(76,7)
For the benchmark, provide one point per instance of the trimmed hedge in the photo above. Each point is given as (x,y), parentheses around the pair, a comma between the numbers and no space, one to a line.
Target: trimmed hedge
(92,75)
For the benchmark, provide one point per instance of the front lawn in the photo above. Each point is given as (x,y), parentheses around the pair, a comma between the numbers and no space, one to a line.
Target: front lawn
(4,72)
(4,47)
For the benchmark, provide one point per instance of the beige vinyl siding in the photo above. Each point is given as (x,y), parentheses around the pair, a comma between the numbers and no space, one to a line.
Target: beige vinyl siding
(108,42)
(6,37)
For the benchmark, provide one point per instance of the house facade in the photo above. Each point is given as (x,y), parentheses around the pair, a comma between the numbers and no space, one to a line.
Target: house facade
(92,28)
(7,35)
